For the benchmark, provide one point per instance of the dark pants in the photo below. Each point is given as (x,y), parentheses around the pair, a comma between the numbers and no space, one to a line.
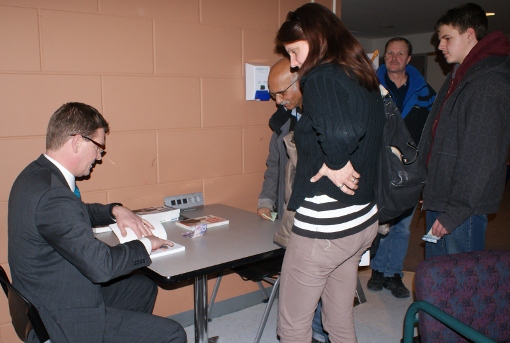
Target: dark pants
(129,302)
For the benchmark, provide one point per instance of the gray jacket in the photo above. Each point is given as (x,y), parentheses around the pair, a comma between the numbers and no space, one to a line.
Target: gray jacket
(273,188)
(468,161)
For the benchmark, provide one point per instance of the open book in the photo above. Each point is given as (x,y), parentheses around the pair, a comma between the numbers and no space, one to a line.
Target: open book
(151,214)
(210,221)
(158,231)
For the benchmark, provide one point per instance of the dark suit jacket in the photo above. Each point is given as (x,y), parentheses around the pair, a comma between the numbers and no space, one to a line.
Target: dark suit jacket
(55,260)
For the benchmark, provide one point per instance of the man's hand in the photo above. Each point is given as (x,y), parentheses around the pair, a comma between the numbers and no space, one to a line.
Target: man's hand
(125,218)
(157,242)
(438,229)
(346,179)
(264,212)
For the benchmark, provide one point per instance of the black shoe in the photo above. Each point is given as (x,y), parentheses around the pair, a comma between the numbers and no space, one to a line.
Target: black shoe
(396,286)
(376,281)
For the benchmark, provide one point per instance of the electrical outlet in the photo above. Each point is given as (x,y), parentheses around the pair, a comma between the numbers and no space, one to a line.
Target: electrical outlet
(185,201)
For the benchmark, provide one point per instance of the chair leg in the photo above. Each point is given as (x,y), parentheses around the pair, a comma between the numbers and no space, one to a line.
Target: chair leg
(213,297)
(263,290)
(276,286)
(360,294)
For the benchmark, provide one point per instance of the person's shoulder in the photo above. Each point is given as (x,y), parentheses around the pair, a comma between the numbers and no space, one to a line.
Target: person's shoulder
(328,72)
(494,71)
(325,69)
(33,182)
(491,64)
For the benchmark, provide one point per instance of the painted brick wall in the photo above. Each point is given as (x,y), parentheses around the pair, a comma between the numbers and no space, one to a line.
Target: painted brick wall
(168,75)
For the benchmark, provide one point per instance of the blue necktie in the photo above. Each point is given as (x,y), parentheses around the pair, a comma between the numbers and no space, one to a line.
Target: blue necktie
(77,192)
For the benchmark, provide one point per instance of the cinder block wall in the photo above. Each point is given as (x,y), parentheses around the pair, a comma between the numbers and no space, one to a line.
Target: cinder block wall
(168,75)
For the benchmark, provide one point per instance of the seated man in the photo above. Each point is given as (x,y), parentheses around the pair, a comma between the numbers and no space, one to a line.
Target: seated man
(79,285)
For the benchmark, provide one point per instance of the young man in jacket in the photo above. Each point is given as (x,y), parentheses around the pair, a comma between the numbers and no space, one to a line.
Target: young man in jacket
(414,98)
(466,138)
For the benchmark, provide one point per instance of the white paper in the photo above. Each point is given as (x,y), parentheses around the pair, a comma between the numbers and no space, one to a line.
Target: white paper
(429,237)
(158,231)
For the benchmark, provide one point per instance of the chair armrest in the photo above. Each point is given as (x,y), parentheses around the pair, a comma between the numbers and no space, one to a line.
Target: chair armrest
(411,319)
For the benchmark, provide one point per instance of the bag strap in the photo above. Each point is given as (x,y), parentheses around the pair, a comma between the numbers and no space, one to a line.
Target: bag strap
(392,110)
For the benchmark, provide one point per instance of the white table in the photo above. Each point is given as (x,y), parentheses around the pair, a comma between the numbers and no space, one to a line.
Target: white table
(247,238)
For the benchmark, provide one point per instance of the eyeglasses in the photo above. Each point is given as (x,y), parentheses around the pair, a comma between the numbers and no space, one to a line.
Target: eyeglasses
(281,93)
(100,147)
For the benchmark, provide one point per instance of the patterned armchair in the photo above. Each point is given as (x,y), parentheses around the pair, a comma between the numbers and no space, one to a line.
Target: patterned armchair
(472,287)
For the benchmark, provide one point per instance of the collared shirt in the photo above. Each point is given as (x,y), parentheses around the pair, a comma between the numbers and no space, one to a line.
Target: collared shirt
(71,180)
(296,113)
(398,94)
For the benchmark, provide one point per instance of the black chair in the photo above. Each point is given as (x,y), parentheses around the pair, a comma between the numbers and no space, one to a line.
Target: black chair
(23,314)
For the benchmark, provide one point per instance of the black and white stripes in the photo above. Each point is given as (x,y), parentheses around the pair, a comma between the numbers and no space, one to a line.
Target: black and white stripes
(326,218)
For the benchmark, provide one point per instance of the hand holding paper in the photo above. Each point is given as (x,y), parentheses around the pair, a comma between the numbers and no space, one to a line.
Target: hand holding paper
(127,219)
(429,237)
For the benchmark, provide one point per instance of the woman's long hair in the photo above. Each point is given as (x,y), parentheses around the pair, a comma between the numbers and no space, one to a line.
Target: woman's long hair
(329,42)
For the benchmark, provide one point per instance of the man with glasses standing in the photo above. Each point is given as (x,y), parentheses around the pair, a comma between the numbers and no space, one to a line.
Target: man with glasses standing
(284,90)
(283,86)
(79,285)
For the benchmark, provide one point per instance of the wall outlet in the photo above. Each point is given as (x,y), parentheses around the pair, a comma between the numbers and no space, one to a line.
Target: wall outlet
(185,201)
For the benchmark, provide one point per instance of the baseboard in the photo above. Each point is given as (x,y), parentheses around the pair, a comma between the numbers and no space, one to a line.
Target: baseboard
(224,307)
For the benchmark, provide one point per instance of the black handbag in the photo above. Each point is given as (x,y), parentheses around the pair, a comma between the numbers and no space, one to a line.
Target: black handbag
(400,177)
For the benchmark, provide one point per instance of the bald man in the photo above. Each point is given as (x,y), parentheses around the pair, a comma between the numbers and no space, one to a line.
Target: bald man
(284,89)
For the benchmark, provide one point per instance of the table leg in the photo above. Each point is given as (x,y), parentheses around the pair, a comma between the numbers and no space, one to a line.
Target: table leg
(200,288)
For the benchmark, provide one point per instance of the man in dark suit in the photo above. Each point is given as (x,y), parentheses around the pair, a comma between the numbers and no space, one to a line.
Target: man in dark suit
(81,286)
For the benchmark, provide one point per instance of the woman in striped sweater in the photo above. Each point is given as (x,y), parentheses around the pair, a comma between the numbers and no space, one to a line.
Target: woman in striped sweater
(338,140)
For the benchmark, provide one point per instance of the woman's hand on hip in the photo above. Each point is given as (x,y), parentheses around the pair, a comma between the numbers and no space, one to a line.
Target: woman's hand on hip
(346,178)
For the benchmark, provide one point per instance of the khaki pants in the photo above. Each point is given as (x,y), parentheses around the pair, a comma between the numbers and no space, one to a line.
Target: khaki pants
(320,268)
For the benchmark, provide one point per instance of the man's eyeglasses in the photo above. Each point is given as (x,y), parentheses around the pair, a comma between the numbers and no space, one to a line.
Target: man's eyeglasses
(281,93)
(100,147)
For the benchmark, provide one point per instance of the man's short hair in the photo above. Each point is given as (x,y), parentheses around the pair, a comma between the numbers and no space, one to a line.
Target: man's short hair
(400,39)
(73,118)
(464,17)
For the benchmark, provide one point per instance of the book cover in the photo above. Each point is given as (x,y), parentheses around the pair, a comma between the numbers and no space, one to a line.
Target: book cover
(160,214)
(101,229)
(210,221)
(158,231)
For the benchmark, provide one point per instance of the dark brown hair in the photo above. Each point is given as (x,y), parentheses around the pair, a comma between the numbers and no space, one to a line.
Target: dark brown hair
(464,17)
(329,41)
(73,118)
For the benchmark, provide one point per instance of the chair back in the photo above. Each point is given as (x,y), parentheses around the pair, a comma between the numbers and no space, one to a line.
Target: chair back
(473,287)
(24,315)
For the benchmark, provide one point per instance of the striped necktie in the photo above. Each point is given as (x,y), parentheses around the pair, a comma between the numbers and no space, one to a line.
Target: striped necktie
(77,191)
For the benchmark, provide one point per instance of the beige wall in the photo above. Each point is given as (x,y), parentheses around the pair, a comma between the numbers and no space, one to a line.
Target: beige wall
(168,75)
